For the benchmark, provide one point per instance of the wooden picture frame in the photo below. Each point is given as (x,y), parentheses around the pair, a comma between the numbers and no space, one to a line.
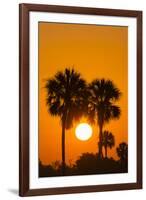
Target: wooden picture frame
(24,106)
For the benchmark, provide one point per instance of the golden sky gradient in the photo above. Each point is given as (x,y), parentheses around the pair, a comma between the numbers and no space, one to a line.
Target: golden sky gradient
(95,52)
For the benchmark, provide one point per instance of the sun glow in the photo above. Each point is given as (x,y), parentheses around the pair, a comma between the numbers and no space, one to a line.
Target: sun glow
(83,131)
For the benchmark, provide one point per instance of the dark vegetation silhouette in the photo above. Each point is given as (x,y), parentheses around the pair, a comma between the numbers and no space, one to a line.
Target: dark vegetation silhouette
(102,107)
(108,141)
(122,152)
(70,98)
(86,164)
(66,96)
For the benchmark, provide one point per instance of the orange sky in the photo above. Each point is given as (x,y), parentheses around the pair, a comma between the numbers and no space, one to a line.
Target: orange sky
(95,52)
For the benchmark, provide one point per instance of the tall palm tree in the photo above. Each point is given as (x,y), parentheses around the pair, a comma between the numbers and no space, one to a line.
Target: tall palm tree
(122,151)
(102,108)
(66,95)
(108,140)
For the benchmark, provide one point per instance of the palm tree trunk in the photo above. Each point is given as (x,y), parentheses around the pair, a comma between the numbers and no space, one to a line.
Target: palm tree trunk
(100,142)
(63,148)
(105,151)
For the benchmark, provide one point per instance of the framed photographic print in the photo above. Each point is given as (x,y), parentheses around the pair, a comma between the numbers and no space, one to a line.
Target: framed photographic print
(80,99)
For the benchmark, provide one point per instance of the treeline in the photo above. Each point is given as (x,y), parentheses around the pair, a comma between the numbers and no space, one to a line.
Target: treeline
(89,163)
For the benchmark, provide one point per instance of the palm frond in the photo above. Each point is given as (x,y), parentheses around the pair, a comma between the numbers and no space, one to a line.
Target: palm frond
(103,94)
(66,96)
(108,139)
(122,151)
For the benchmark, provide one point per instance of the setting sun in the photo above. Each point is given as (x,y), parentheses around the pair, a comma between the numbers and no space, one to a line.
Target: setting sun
(83,131)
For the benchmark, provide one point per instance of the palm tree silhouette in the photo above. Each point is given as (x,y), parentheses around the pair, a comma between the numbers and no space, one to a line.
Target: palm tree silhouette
(66,96)
(101,107)
(108,140)
(122,151)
